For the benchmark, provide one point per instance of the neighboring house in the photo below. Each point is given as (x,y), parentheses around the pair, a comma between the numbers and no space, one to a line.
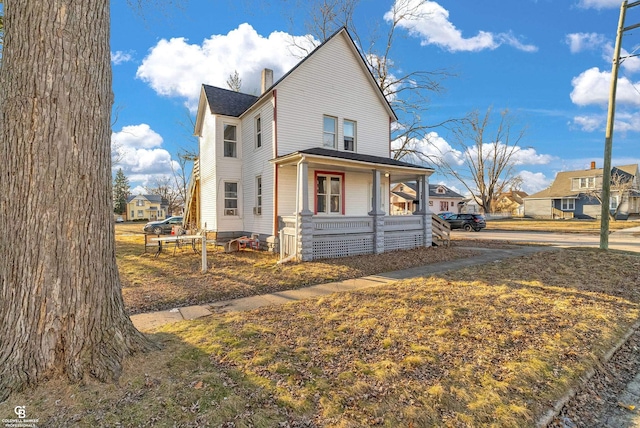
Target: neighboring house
(441,199)
(471,206)
(306,163)
(572,194)
(511,202)
(146,207)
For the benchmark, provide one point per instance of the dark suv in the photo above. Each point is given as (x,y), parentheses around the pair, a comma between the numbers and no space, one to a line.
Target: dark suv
(467,222)
(162,226)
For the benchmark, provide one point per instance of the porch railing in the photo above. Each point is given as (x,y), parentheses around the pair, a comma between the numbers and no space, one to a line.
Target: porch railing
(348,236)
(556,213)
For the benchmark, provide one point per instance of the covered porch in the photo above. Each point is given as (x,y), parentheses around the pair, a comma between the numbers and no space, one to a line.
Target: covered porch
(340,203)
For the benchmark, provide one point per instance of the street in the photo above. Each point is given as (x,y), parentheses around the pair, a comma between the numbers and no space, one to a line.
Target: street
(620,240)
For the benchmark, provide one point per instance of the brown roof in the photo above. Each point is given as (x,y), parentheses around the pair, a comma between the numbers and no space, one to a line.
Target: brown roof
(561,186)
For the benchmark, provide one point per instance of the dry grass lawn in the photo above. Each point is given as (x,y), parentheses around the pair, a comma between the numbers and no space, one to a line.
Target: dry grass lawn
(486,346)
(171,281)
(570,226)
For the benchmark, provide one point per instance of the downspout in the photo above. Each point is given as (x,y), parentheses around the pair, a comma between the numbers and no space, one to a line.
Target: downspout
(275,155)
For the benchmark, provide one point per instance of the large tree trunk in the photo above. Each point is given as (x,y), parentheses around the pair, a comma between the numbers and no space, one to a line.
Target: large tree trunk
(61,307)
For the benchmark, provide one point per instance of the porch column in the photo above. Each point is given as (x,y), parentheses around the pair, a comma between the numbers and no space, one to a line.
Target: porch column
(422,190)
(304,234)
(377,214)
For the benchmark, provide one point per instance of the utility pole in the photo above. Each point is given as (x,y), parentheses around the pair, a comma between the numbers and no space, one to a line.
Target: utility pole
(608,141)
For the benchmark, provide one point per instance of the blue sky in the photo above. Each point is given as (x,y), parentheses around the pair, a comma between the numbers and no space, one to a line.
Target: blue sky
(547,61)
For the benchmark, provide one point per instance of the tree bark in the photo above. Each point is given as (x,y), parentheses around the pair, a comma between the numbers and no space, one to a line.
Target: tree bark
(61,307)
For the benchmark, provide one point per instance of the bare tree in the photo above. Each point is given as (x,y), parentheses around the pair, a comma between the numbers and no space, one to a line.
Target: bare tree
(61,306)
(483,158)
(408,92)
(234,82)
(621,186)
(165,187)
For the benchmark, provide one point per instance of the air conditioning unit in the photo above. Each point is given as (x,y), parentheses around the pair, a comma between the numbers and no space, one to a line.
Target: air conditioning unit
(257,210)
(230,211)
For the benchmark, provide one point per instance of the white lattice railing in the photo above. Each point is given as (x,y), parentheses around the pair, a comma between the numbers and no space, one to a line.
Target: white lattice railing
(342,225)
(348,236)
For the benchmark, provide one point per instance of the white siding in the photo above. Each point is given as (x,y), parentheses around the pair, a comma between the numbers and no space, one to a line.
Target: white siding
(229,170)
(256,163)
(331,82)
(357,188)
(208,189)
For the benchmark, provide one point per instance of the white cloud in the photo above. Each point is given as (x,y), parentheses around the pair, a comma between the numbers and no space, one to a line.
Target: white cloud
(140,154)
(599,4)
(589,123)
(533,182)
(437,148)
(579,42)
(430,22)
(592,87)
(529,156)
(177,68)
(118,57)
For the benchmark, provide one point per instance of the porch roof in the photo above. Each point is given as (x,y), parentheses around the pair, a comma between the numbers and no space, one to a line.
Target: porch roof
(352,161)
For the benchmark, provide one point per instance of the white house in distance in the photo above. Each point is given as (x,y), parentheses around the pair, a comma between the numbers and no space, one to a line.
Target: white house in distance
(306,164)
(441,199)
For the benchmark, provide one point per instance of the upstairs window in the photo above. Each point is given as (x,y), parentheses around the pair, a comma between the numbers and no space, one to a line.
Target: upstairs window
(329,132)
(258,132)
(230,141)
(349,135)
(587,183)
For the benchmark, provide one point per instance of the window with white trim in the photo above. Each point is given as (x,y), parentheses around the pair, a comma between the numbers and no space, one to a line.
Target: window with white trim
(230,198)
(613,202)
(258,124)
(230,141)
(568,204)
(328,194)
(329,132)
(587,182)
(349,135)
(258,208)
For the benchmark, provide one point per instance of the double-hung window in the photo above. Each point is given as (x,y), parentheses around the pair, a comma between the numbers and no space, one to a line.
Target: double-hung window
(613,202)
(258,208)
(258,125)
(568,204)
(230,141)
(329,127)
(230,198)
(349,135)
(329,192)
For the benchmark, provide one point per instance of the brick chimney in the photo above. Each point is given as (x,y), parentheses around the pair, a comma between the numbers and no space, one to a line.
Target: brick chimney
(266,80)
(593,164)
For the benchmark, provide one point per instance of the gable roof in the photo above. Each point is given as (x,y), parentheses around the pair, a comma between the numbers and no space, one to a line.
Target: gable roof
(226,102)
(151,198)
(230,103)
(561,186)
(433,191)
(516,196)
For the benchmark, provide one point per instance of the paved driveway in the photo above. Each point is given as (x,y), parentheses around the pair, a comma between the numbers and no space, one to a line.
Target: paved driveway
(628,239)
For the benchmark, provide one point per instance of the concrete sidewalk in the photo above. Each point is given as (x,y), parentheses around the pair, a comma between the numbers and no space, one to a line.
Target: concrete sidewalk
(149,321)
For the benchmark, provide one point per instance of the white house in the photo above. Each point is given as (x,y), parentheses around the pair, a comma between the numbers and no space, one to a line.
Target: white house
(306,164)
